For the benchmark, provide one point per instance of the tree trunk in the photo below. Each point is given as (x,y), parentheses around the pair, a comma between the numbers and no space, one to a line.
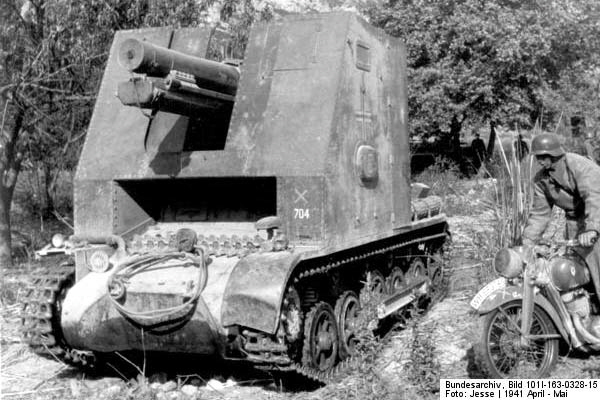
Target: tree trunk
(491,140)
(5,238)
(10,164)
(455,128)
(50,177)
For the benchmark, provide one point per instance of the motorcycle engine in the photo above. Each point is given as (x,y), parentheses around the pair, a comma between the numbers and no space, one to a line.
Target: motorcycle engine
(568,272)
(577,303)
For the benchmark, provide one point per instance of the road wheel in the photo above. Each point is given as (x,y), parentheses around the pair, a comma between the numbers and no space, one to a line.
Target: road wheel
(417,269)
(375,283)
(396,280)
(346,313)
(321,342)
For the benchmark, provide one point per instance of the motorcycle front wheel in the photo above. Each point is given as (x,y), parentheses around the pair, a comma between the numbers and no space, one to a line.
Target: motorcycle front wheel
(505,356)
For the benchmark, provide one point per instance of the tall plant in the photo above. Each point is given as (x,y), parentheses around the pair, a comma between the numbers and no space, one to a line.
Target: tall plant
(513,193)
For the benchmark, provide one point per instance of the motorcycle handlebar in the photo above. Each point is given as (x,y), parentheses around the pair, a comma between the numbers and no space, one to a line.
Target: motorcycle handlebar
(573,242)
(568,243)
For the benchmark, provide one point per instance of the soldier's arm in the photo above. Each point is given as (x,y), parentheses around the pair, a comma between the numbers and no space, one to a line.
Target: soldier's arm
(589,150)
(588,184)
(539,217)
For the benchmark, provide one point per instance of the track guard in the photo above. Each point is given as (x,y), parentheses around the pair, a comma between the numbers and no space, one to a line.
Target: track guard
(511,293)
(255,289)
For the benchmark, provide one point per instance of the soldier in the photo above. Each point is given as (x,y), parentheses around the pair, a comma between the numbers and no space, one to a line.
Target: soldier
(571,182)
(592,147)
(479,152)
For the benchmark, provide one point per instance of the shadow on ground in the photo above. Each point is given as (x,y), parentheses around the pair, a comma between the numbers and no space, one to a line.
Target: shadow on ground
(192,369)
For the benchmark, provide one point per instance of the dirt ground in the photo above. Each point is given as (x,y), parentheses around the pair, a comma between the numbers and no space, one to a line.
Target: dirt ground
(449,329)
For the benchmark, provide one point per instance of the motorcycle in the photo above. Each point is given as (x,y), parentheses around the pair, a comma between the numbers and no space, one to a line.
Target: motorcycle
(543,298)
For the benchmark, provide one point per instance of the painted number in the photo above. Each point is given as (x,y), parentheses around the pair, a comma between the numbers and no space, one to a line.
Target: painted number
(301,213)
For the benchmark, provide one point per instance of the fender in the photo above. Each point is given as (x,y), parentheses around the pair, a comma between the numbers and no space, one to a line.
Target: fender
(254,292)
(511,293)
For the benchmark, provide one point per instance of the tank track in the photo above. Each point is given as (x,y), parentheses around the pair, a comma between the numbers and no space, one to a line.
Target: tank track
(40,315)
(339,370)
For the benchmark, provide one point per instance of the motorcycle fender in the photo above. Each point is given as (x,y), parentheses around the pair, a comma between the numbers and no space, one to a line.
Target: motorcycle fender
(254,292)
(509,294)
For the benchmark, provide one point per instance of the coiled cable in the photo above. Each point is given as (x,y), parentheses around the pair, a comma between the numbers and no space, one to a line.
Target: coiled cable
(139,264)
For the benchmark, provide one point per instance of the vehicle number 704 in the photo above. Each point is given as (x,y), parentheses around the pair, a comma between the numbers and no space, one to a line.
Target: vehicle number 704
(301,213)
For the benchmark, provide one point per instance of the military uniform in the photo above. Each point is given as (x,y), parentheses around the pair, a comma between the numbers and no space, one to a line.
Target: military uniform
(592,150)
(573,185)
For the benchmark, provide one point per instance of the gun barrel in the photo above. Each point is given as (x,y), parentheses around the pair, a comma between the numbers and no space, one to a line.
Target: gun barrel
(147,58)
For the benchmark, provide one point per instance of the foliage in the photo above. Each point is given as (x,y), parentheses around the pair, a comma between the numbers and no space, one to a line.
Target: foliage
(441,177)
(11,291)
(239,16)
(509,62)
(423,365)
(446,181)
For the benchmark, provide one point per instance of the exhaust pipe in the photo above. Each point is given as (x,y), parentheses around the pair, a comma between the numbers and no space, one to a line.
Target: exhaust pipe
(587,336)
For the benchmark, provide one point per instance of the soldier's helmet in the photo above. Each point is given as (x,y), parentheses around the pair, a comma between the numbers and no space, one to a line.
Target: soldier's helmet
(546,144)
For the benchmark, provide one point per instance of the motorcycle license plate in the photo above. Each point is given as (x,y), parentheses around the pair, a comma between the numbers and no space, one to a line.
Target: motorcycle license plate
(487,290)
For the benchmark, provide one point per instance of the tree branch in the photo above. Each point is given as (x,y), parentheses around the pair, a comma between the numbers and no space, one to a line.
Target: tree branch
(66,67)
(9,180)
(48,89)
(36,109)
(18,13)
(48,135)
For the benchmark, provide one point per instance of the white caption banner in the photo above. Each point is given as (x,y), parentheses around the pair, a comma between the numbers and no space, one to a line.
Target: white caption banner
(517,389)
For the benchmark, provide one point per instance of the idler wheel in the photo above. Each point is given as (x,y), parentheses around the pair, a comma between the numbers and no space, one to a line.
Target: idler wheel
(320,348)
(347,308)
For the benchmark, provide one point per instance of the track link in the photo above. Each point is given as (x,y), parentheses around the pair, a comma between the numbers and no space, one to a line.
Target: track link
(40,315)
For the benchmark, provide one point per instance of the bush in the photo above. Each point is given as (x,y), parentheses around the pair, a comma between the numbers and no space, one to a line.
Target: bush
(31,228)
(423,365)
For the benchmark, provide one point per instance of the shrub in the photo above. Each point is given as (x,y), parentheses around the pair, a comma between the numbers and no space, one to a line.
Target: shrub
(423,364)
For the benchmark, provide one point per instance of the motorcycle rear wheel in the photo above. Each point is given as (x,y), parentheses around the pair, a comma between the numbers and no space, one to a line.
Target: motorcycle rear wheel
(503,354)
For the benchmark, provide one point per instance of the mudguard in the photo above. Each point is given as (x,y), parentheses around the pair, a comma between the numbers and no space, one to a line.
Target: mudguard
(510,293)
(254,292)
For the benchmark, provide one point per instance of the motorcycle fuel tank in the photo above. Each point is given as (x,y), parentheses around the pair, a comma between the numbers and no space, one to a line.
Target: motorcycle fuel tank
(568,272)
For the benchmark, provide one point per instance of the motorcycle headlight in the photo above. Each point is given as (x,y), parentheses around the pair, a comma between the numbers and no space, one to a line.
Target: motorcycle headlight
(99,261)
(116,289)
(508,263)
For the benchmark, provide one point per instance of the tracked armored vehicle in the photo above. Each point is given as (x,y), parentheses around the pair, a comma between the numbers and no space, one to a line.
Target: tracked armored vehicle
(238,209)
